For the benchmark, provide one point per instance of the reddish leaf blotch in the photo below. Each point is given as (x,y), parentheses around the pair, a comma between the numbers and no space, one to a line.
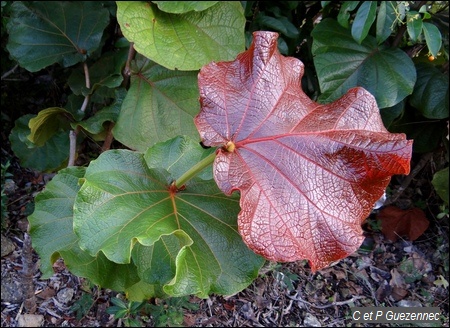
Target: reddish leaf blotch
(308,173)
(395,222)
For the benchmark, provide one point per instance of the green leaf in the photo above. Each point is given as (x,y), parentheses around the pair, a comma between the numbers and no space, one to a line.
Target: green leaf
(177,155)
(184,41)
(46,158)
(279,24)
(440,184)
(112,215)
(104,73)
(159,105)
(42,33)
(385,21)
(47,123)
(51,229)
(99,270)
(414,24)
(143,291)
(341,63)
(430,93)
(427,135)
(118,302)
(120,313)
(157,263)
(51,222)
(365,16)
(433,38)
(389,114)
(181,7)
(344,12)
(95,124)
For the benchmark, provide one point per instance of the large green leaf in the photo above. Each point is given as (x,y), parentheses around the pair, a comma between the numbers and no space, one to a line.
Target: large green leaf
(42,33)
(341,63)
(181,7)
(122,202)
(45,158)
(365,16)
(51,229)
(159,105)
(430,94)
(183,41)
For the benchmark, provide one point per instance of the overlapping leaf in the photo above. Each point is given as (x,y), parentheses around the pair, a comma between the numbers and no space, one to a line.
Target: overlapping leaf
(51,229)
(308,173)
(185,241)
(45,158)
(430,94)
(183,41)
(341,63)
(159,105)
(181,7)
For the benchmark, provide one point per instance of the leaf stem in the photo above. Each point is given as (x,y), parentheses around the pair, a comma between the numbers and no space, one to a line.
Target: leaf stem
(193,171)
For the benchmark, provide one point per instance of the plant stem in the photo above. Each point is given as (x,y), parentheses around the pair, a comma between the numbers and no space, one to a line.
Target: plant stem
(193,171)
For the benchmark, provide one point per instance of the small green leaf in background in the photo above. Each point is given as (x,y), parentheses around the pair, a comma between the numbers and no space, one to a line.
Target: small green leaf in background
(365,16)
(184,41)
(122,202)
(389,114)
(433,38)
(430,93)
(159,105)
(279,24)
(440,184)
(414,24)
(385,21)
(181,7)
(47,123)
(42,33)
(104,73)
(47,158)
(95,124)
(344,12)
(341,63)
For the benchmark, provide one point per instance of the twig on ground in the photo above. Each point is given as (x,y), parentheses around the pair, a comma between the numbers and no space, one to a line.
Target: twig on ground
(297,297)
(27,275)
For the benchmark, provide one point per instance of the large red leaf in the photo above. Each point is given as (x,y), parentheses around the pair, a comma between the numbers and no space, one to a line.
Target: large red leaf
(308,174)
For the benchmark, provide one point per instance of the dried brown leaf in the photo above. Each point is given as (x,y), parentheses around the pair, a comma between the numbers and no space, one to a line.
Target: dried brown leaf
(395,222)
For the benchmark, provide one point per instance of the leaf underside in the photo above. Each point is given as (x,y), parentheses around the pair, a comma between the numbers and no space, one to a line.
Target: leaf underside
(308,173)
